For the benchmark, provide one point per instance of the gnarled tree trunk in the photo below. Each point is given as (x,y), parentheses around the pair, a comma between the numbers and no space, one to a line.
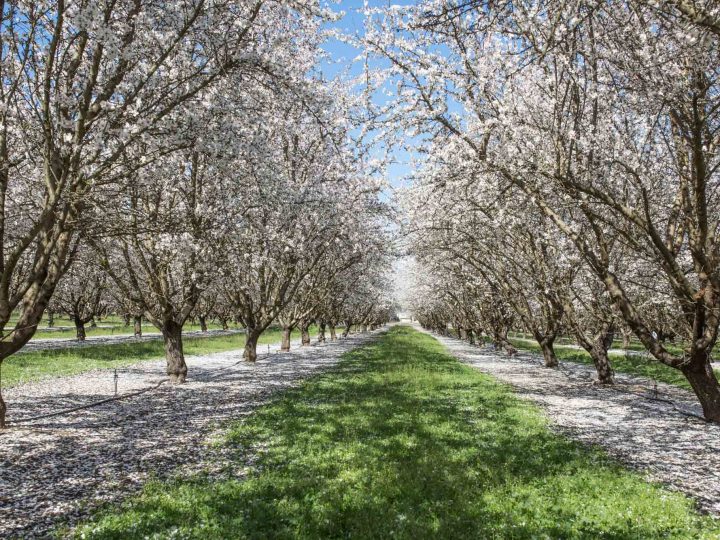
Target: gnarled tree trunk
(597,349)
(471,336)
(79,329)
(137,326)
(321,332)
(333,334)
(304,333)
(500,341)
(251,341)
(174,356)
(346,330)
(286,334)
(601,360)
(203,323)
(700,375)
(599,354)
(548,350)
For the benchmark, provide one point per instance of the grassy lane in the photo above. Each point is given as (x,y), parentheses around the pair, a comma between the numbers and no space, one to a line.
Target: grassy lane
(35,365)
(118,329)
(112,325)
(403,441)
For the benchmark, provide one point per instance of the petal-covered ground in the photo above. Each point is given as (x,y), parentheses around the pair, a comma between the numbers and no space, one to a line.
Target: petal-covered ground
(61,466)
(401,440)
(659,436)
(58,469)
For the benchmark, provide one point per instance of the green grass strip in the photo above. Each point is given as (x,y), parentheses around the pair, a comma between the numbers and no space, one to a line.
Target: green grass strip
(36,365)
(403,441)
(631,364)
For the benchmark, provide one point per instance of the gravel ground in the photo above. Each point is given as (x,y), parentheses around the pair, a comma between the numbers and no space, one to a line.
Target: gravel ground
(58,469)
(62,343)
(658,438)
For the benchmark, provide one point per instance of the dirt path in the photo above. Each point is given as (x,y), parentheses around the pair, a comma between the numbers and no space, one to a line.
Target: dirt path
(60,467)
(656,437)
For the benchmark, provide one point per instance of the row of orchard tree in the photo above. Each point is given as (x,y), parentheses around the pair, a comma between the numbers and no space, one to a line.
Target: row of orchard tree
(571,174)
(86,295)
(180,158)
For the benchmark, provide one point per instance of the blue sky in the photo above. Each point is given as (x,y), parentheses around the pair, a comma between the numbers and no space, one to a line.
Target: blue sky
(341,57)
(341,60)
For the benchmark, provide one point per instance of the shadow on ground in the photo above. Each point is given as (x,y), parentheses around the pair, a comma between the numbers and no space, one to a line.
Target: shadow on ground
(55,469)
(403,441)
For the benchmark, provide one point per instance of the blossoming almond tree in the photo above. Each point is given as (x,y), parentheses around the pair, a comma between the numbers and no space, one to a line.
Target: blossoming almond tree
(82,293)
(83,84)
(303,202)
(171,229)
(621,123)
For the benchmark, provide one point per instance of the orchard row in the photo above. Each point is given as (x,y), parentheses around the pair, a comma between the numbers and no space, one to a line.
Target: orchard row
(571,172)
(179,159)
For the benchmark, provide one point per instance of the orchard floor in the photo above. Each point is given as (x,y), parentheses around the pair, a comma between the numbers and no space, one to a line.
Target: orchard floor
(388,436)
(401,440)
(59,468)
(662,437)
(44,344)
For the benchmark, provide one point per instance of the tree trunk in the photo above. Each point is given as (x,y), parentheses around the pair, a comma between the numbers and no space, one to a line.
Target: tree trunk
(224,324)
(51,319)
(500,341)
(702,378)
(137,326)
(346,331)
(597,347)
(364,328)
(333,334)
(79,329)
(471,337)
(174,357)
(251,341)
(286,333)
(126,319)
(463,333)
(321,332)
(304,334)
(548,351)
(203,323)
(93,323)
(600,358)
(626,340)
(3,407)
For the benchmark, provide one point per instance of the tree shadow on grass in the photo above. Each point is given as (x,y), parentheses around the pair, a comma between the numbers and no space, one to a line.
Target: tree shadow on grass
(403,441)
